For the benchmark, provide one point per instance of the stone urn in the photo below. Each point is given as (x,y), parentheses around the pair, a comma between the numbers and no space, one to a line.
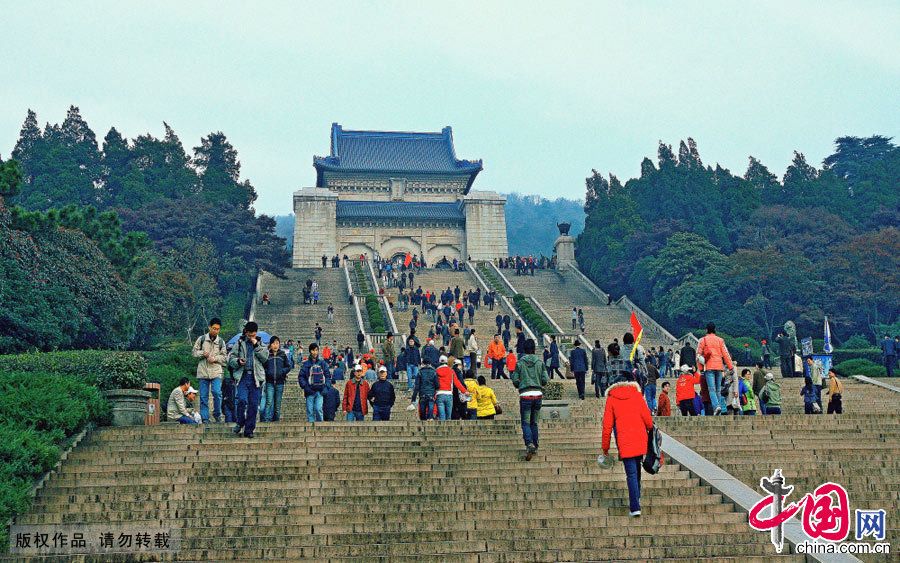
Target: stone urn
(564,228)
(129,406)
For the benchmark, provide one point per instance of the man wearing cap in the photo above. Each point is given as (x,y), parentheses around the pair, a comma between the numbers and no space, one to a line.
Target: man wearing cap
(247,358)
(356,395)
(382,396)
(176,408)
(312,378)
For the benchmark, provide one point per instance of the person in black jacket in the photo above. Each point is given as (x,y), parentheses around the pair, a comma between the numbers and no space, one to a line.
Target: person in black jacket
(578,361)
(330,402)
(425,389)
(412,360)
(382,396)
(520,342)
(598,369)
(277,367)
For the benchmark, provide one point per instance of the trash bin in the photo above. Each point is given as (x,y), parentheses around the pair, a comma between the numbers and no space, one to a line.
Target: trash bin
(151,417)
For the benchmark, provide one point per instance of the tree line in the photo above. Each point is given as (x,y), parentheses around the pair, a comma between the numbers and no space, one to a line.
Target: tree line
(125,244)
(695,243)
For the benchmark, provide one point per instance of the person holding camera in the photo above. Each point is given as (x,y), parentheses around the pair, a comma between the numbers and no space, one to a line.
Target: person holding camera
(247,359)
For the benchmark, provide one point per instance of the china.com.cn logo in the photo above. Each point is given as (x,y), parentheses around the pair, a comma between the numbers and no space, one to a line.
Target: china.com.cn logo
(825,516)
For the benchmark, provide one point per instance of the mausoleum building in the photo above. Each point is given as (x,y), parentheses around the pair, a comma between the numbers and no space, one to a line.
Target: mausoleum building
(390,193)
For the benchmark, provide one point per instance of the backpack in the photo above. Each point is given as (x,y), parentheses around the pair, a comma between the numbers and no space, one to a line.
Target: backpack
(655,457)
(316,377)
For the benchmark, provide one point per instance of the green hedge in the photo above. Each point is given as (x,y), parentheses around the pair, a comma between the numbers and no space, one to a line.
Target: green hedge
(841,355)
(553,391)
(39,413)
(377,322)
(106,369)
(860,367)
(487,274)
(532,317)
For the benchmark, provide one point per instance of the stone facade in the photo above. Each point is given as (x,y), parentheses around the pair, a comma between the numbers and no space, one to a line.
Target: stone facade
(426,209)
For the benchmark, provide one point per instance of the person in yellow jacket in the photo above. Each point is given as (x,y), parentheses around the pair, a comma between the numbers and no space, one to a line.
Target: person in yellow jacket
(472,386)
(487,400)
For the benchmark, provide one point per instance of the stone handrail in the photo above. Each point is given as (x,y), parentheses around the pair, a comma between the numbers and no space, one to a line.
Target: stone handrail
(505,301)
(353,299)
(591,286)
(643,317)
(501,277)
(646,320)
(255,297)
(384,301)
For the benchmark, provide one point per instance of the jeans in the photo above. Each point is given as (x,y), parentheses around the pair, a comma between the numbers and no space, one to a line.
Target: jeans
(496,368)
(600,381)
(773,410)
(633,476)
(530,412)
(787,366)
(247,403)
(579,383)
(381,413)
(650,396)
(426,408)
(216,385)
(314,407)
(762,405)
(412,372)
(819,396)
(471,414)
(187,420)
(445,406)
(355,416)
(714,383)
(274,392)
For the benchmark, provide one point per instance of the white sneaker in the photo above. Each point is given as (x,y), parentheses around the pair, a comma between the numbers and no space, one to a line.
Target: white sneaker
(635,514)
(717,411)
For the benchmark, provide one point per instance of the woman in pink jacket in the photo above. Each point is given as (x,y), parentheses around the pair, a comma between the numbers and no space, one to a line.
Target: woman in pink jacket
(714,356)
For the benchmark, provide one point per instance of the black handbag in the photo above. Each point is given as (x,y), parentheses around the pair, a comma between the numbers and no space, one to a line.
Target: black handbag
(654,458)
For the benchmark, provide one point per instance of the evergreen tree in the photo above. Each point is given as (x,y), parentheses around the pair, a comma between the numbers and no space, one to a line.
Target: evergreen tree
(220,170)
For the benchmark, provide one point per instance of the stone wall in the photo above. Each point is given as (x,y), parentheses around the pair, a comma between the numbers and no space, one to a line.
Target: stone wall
(315,230)
(433,188)
(437,240)
(485,225)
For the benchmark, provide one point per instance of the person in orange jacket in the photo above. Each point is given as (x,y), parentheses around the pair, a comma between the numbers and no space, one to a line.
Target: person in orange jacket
(684,390)
(627,412)
(714,356)
(665,405)
(497,353)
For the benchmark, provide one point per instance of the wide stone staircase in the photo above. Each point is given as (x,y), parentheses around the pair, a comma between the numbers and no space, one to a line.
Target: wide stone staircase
(559,291)
(455,490)
(288,317)
(859,450)
(452,491)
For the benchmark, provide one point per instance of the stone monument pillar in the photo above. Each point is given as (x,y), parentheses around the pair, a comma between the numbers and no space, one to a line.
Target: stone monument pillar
(315,226)
(564,247)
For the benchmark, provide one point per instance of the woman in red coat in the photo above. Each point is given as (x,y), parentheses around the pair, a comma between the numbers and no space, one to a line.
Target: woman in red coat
(627,412)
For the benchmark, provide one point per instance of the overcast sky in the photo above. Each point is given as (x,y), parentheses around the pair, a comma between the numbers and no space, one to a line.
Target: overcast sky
(542,91)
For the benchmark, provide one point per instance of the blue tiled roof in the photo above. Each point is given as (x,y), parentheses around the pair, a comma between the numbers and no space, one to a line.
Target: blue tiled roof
(399,210)
(394,152)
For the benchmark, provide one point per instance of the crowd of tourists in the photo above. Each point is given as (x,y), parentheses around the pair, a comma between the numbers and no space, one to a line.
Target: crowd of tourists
(247,380)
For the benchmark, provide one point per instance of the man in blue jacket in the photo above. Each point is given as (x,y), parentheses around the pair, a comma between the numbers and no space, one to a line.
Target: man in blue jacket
(313,383)
(413,360)
(579,363)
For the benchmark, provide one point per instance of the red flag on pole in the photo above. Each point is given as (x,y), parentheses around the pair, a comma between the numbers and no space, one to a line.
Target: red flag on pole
(408,260)
(638,331)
